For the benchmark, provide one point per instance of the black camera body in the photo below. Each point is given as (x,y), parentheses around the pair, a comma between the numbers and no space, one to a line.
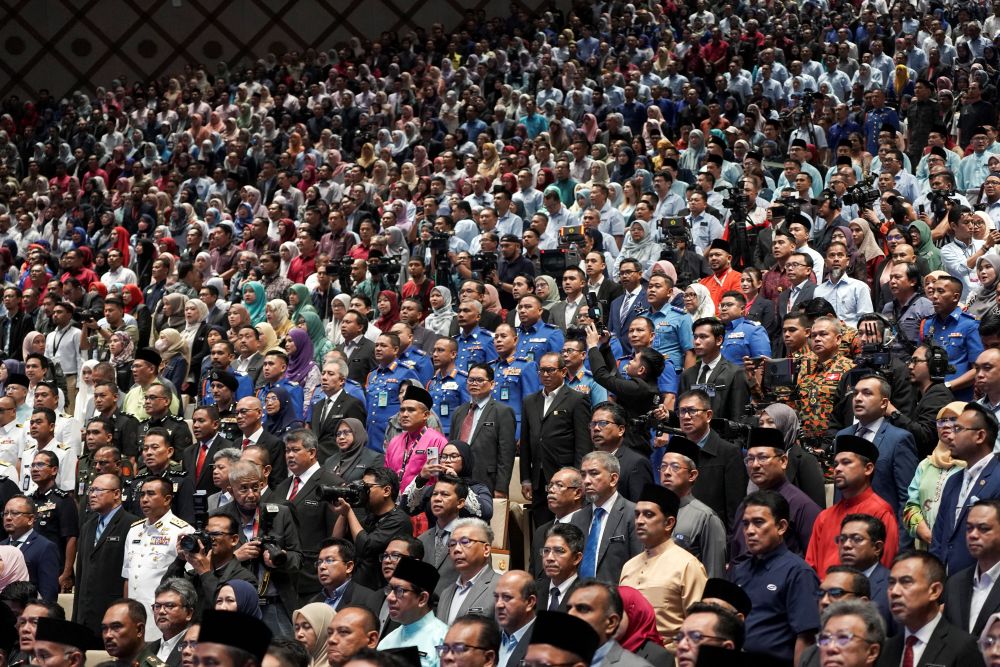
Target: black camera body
(484,263)
(270,545)
(354,493)
(439,241)
(89,316)
(863,195)
(596,312)
(938,201)
(737,200)
(196,543)
(873,360)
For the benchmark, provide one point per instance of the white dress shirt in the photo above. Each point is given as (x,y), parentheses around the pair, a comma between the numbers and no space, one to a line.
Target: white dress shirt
(923,636)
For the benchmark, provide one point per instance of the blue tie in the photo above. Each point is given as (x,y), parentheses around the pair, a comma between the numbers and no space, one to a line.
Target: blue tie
(588,568)
(332,601)
(101,525)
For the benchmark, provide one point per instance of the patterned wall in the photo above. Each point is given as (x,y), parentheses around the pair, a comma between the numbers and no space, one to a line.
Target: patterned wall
(64,45)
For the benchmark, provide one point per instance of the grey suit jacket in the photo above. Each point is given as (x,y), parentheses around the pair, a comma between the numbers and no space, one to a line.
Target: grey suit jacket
(557,314)
(478,601)
(254,368)
(617,655)
(492,443)
(446,569)
(807,292)
(618,541)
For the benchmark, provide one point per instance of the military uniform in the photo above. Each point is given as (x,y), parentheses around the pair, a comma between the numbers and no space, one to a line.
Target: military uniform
(745,339)
(958,334)
(149,551)
(294,390)
(583,381)
(383,403)
(475,347)
(228,428)
(134,403)
(448,392)
(11,443)
(418,362)
(537,340)
(85,474)
(183,488)
(56,518)
(126,432)
(514,380)
(817,394)
(672,333)
(65,480)
(180,432)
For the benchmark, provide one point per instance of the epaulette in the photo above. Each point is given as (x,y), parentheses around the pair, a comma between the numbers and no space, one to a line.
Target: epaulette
(62,445)
(524,359)
(461,372)
(418,351)
(60,492)
(294,384)
(180,523)
(140,521)
(679,310)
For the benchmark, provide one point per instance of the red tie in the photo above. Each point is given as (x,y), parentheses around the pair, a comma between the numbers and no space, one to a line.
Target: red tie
(295,488)
(465,432)
(908,651)
(201,460)
(246,443)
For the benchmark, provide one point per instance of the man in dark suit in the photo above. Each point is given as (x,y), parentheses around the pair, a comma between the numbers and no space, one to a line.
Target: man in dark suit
(99,559)
(975,436)
(15,326)
(515,606)
(554,432)
(798,268)
(198,460)
(983,540)
(249,419)
(597,280)
(607,435)
(916,606)
(334,567)
(897,451)
(608,521)
(564,497)
(560,556)
(448,499)
(360,351)
(314,517)
(722,476)
(861,546)
(40,554)
(335,405)
(489,430)
(595,602)
(723,382)
(251,361)
(629,305)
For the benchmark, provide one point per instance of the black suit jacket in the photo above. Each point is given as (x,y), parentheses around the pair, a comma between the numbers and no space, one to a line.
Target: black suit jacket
(355,595)
(554,440)
(730,384)
(190,459)
(958,598)
(949,646)
(18,326)
(722,478)
(492,443)
(99,579)
(636,473)
(276,450)
(765,312)
(326,429)
(618,541)
(608,292)
(42,558)
(362,360)
(174,659)
(807,292)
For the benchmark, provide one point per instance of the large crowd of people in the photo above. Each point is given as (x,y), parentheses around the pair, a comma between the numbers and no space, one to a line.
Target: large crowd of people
(707,292)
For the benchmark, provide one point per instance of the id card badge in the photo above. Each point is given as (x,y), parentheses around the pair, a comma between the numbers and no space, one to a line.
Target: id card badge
(383,399)
(504,394)
(444,409)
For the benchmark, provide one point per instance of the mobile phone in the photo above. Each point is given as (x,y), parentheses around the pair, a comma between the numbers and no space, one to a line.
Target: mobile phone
(921,209)
(757,361)
(432,454)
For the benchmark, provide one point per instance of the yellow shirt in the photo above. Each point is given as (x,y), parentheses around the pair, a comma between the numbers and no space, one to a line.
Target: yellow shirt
(671,579)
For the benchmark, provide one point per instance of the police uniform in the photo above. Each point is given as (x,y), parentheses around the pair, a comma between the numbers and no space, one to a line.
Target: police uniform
(672,333)
(11,443)
(418,362)
(475,347)
(180,433)
(149,551)
(65,480)
(583,381)
(352,387)
(294,390)
(958,334)
(228,428)
(448,392)
(383,403)
(181,483)
(745,338)
(56,518)
(538,339)
(514,380)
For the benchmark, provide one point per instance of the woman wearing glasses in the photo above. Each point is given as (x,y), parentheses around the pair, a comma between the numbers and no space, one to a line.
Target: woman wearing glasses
(455,459)
(352,456)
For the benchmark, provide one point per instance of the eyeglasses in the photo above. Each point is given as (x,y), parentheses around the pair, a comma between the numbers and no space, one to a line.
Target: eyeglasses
(219,533)
(400,591)
(835,593)
(673,465)
(694,637)
(456,649)
(244,411)
(548,370)
(15,513)
(392,557)
(464,542)
(187,644)
(472,380)
(560,487)
(853,539)
(94,490)
(169,606)
(690,412)
(794,265)
(760,458)
(329,561)
(988,643)
(841,639)
(602,423)
(558,551)
(39,465)
(449,457)
(957,428)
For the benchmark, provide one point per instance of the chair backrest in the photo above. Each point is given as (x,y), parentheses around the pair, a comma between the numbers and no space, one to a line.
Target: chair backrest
(66,602)
(95,658)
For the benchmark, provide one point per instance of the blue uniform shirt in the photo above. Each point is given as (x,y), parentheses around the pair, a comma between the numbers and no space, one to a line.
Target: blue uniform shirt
(669,380)
(958,334)
(583,381)
(536,340)
(383,399)
(418,362)
(513,381)
(781,588)
(475,347)
(745,339)
(294,389)
(448,391)
(672,335)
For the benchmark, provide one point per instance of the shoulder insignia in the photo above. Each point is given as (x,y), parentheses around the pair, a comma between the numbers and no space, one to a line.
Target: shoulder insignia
(419,352)
(294,384)
(62,445)
(678,310)
(463,373)
(179,523)
(60,493)
(139,522)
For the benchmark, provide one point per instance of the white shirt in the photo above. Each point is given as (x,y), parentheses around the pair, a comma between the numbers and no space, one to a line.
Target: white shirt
(872,429)
(63,346)
(923,636)
(548,398)
(123,275)
(303,480)
(167,645)
(606,506)
(969,478)
(11,444)
(563,591)
(66,478)
(982,584)
(478,412)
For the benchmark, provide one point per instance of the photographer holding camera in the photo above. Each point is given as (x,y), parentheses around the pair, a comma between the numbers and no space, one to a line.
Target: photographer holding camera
(269,545)
(212,559)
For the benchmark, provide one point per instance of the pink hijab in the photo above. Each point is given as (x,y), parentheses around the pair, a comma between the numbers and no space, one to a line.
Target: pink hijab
(14,567)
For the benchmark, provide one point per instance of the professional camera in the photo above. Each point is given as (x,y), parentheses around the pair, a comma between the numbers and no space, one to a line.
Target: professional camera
(863,195)
(89,316)
(196,543)
(343,271)
(439,241)
(791,205)
(737,200)
(873,360)
(483,263)
(736,432)
(270,545)
(355,493)
(387,267)
(674,228)
(939,200)
(596,312)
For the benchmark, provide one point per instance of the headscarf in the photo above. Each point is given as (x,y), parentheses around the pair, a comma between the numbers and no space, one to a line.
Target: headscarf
(623,172)
(128,349)
(986,296)
(286,418)
(941,456)
(641,620)
(14,567)
(137,298)
(305,301)
(319,615)
(360,433)
(300,362)
(122,245)
(645,251)
(257,309)
(268,339)
(553,297)
(84,403)
(785,420)
(706,307)
(690,157)
(280,310)
(670,271)
(175,346)
(387,319)
(247,600)
(202,308)
(927,249)
(321,344)
(177,301)
(869,246)
(491,300)
(440,319)
(293,252)
(28,340)
(852,249)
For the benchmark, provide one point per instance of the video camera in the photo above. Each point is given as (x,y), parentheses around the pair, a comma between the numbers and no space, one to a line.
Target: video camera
(939,200)
(737,200)
(440,241)
(484,263)
(676,229)
(343,271)
(596,312)
(386,267)
(863,194)
(354,493)
(555,261)
(873,360)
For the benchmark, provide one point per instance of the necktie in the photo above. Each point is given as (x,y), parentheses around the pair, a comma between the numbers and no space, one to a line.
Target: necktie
(465,432)
(295,488)
(333,599)
(588,568)
(862,431)
(626,306)
(791,299)
(441,545)
(703,373)
(246,443)
(908,651)
(101,525)
(326,409)
(202,453)
(554,599)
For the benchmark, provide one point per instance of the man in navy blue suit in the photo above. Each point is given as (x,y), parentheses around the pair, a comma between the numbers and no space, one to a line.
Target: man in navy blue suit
(629,305)
(40,554)
(897,450)
(975,435)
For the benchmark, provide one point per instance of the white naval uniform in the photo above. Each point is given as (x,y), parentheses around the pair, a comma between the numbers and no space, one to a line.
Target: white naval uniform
(65,480)
(12,438)
(67,432)
(149,551)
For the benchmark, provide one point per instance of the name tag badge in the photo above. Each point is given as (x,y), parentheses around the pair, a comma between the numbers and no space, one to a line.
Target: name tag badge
(708,389)
(450,386)
(114,538)
(504,396)
(737,334)
(444,409)
(383,399)
(618,538)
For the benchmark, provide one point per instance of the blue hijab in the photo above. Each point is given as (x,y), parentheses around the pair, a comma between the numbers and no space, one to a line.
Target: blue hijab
(247,600)
(286,419)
